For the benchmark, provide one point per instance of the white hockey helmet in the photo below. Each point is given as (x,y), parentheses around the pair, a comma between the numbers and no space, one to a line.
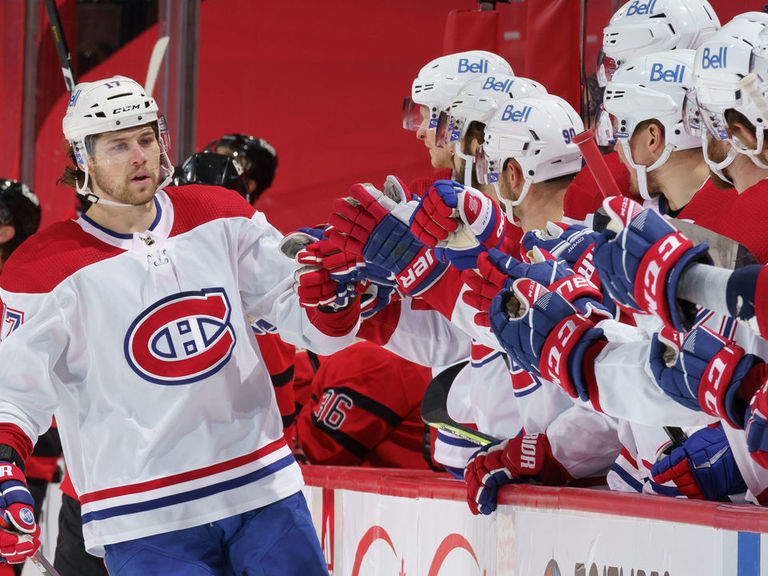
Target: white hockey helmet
(439,81)
(477,101)
(640,27)
(727,76)
(652,87)
(538,133)
(109,105)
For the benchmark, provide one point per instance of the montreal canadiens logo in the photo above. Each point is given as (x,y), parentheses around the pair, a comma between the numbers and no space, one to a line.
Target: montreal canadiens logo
(182,338)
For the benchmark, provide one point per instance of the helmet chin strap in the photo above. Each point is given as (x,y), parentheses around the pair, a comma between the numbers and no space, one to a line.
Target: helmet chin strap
(508,205)
(754,153)
(469,162)
(718,167)
(749,85)
(88,194)
(641,170)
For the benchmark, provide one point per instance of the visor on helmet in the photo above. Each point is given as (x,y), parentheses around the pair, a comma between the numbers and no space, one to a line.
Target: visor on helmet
(444,129)
(691,114)
(412,114)
(449,129)
(121,146)
(606,67)
(609,128)
(483,168)
(605,129)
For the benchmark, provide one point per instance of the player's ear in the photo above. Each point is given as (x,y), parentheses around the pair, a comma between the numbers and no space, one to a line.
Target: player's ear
(655,139)
(513,173)
(7,232)
(744,133)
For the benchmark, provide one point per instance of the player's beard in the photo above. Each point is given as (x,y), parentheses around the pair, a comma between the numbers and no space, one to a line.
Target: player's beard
(124,187)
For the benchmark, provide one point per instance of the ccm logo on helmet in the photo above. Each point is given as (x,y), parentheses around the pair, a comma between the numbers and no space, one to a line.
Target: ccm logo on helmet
(637,8)
(465,65)
(182,338)
(126,108)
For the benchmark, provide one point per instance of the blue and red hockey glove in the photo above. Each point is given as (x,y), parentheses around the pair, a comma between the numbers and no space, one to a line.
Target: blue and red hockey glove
(757,419)
(574,244)
(703,371)
(520,459)
(497,271)
(460,222)
(546,335)
(19,533)
(641,265)
(374,225)
(702,468)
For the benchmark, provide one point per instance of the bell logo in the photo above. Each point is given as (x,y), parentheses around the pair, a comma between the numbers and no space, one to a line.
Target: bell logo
(638,8)
(498,85)
(659,74)
(717,60)
(516,115)
(465,65)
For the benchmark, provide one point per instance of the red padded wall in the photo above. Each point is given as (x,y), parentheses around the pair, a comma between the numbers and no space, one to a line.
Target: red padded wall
(322,81)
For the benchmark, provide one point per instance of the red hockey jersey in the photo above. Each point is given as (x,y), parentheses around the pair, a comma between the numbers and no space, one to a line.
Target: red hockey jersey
(365,409)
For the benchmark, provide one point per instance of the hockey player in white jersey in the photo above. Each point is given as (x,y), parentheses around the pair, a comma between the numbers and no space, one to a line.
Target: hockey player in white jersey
(643,117)
(460,126)
(586,361)
(640,27)
(358,226)
(435,87)
(129,324)
(730,91)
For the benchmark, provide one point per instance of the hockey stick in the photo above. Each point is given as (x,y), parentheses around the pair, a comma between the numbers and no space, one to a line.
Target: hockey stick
(434,409)
(40,561)
(42,564)
(61,45)
(155,61)
(725,253)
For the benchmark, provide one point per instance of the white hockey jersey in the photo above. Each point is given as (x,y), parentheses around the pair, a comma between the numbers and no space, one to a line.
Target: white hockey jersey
(140,346)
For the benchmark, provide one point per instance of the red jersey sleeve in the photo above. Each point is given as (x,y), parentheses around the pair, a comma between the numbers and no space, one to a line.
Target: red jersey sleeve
(365,408)
(279,359)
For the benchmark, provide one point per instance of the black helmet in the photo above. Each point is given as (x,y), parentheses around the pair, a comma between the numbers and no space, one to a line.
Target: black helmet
(257,157)
(212,169)
(20,208)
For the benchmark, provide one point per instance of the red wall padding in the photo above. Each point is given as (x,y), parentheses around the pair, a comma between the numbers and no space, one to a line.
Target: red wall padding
(11,46)
(322,81)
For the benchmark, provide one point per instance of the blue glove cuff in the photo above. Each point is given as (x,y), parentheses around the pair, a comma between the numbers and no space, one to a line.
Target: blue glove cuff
(736,409)
(682,312)
(576,359)
(740,292)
